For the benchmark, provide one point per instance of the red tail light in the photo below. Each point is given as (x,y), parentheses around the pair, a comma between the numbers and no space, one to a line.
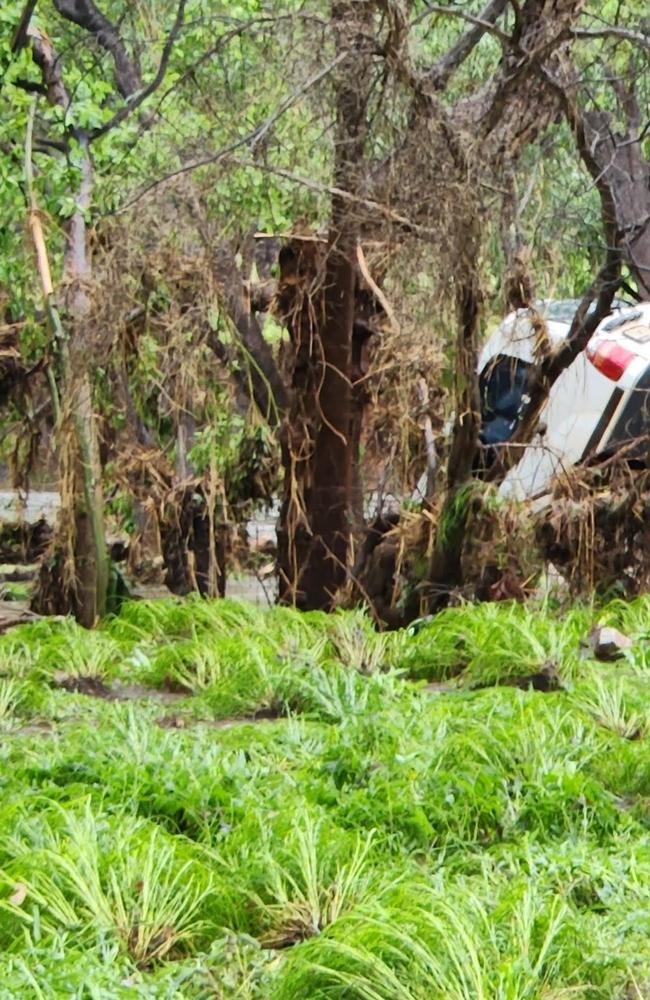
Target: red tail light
(609,358)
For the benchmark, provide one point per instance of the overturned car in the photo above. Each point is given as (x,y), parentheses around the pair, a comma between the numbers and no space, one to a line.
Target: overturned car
(598,407)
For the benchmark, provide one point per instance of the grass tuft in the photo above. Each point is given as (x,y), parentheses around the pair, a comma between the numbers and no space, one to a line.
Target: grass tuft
(273,806)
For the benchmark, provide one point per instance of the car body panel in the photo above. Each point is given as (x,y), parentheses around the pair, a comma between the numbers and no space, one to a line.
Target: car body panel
(586,411)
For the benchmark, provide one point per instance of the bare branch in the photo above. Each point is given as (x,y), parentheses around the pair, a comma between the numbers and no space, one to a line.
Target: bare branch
(594,307)
(640,38)
(480,21)
(142,96)
(85,14)
(21,34)
(46,59)
(268,389)
(444,68)
(258,379)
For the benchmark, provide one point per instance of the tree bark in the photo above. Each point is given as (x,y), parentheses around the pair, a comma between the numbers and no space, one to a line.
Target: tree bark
(599,295)
(329,498)
(77,577)
(80,570)
(268,389)
(92,565)
(315,526)
(627,173)
(445,569)
(91,558)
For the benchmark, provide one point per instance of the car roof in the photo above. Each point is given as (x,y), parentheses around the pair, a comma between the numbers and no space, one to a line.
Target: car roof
(515,336)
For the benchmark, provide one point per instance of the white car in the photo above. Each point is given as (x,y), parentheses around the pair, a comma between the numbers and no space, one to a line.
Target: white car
(598,406)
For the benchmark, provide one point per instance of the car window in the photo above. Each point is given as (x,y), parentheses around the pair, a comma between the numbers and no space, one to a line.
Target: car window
(502,384)
(563,310)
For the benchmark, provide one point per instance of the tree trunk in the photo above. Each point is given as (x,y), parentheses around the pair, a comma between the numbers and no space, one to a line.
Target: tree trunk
(315,525)
(194,542)
(85,500)
(76,578)
(627,174)
(326,564)
(91,558)
(299,305)
(445,570)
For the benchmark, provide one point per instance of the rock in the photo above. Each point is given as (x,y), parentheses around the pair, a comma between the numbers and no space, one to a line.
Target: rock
(171,722)
(91,686)
(608,643)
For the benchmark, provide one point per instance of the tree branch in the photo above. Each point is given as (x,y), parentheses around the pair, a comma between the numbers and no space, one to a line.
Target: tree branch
(585,322)
(85,14)
(584,325)
(480,21)
(640,38)
(46,59)
(538,36)
(30,87)
(443,69)
(268,389)
(259,379)
(21,34)
(142,96)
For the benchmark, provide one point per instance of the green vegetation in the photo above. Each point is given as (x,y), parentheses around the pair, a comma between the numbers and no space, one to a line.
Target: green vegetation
(366,837)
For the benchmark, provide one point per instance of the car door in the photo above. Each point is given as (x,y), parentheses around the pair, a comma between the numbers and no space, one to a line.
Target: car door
(581,401)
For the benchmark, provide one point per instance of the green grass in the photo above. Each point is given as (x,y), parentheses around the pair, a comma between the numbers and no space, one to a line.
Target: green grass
(368,838)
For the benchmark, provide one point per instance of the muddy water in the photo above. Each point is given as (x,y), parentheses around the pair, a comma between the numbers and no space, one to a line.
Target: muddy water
(261,529)
(38,504)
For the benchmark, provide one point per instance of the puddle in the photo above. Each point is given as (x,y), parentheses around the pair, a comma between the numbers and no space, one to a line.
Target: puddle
(35,728)
(135,692)
(440,687)
(184,722)
(93,687)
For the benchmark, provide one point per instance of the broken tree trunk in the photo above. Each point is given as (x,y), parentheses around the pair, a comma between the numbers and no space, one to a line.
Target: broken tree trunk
(314,528)
(327,557)
(315,525)
(316,301)
(445,569)
(299,307)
